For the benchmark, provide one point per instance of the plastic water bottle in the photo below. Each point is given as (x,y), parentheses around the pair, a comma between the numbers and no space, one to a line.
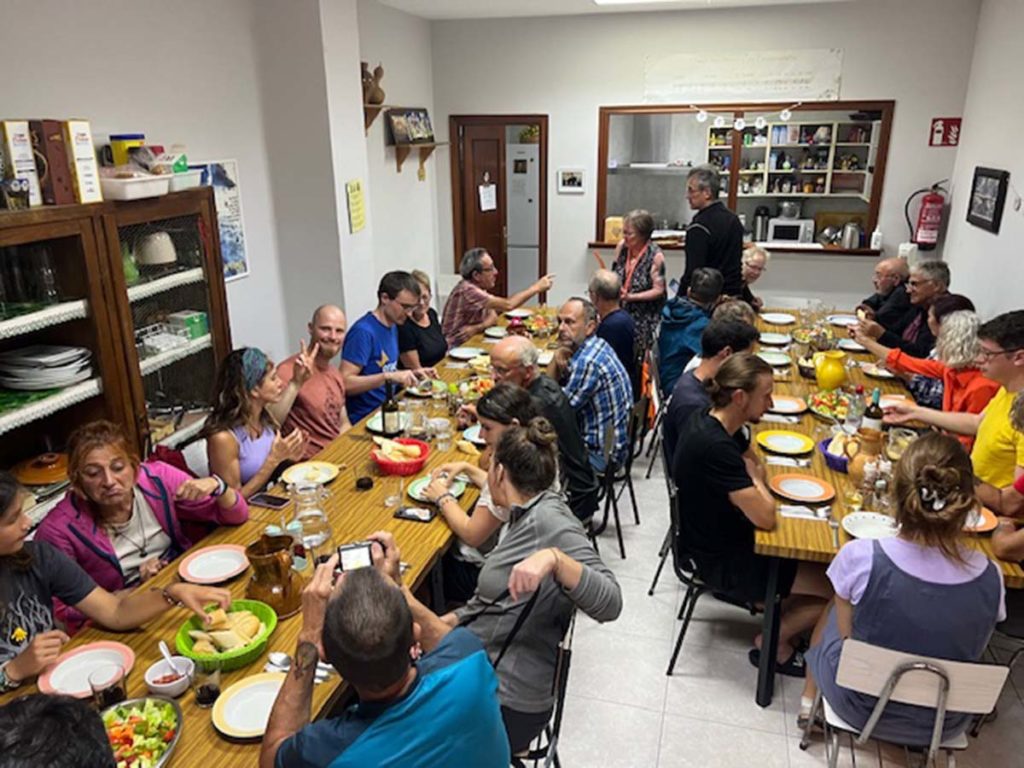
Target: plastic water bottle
(854,411)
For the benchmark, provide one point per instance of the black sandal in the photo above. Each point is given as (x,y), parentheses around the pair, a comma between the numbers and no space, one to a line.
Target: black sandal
(794,666)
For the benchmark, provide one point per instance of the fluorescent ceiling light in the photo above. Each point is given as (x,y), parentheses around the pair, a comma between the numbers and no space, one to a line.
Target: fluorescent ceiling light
(632,2)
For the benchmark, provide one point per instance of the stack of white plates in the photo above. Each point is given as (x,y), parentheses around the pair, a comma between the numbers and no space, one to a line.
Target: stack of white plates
(44,366)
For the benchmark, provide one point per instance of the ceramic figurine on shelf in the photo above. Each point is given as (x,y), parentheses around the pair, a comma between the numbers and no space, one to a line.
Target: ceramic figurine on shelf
(367,79)
(376,93)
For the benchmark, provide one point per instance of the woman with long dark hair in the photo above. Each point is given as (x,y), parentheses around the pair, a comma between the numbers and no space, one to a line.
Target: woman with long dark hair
(244,442)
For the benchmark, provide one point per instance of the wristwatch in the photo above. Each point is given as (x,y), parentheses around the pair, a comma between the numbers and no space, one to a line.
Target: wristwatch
(6,683)
(221,487)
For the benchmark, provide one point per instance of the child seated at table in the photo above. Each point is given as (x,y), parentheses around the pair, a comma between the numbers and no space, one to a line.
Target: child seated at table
(924,592)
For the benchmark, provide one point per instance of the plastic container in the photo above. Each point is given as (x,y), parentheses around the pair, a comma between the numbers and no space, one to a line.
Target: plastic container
(403,467)
(835,463)
(238,657)
(186,180)
(134,189)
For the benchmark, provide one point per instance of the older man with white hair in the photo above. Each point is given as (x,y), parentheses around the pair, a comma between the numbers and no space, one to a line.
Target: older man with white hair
(889,303)
(514,360)
(471,308)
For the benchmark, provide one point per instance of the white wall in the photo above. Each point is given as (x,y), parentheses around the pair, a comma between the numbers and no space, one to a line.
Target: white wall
(914,51)
(994,106)
(186,77)
(403,207)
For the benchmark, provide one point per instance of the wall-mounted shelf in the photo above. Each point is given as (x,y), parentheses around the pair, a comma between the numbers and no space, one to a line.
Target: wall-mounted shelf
(425,150)
(43,318)
(370,112)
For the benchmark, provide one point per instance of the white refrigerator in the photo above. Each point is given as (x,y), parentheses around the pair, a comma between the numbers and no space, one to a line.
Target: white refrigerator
(522,193)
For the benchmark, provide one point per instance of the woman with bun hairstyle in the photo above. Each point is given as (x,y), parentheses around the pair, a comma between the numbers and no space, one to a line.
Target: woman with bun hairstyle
(924,592)
(543,566)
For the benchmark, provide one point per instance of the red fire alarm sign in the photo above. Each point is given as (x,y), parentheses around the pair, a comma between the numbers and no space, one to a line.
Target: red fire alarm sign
(945,132)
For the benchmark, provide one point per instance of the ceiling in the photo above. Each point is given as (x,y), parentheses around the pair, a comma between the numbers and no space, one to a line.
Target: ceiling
(489,9)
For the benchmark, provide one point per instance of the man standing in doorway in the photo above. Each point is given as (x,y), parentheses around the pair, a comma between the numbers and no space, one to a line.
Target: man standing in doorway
(471,308)
(715,235)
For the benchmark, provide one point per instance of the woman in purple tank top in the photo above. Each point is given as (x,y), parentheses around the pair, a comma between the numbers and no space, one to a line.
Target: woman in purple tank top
(243,441)
(923,592)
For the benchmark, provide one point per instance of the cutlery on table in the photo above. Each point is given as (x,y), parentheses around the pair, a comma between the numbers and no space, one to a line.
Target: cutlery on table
(785,461)
(799,511)
(834,525)
(166,653)
(779,418)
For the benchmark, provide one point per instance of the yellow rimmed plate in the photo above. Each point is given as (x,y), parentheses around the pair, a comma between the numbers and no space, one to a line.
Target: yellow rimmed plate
(242,711)
(785,442)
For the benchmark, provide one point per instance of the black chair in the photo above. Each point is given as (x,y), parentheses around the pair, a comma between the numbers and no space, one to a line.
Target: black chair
(660,401)
(666,545)
(686,571)
(547,747)
(619,474)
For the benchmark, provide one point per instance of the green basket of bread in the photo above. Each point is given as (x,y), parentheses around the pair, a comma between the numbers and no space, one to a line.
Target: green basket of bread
(237,637)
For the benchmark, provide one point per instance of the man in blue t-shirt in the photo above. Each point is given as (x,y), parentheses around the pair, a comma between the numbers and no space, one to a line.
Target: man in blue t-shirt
(369,357)
(617,326)
(441,710)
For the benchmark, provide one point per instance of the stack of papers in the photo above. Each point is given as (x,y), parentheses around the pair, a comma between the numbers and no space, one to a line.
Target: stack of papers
(44,366)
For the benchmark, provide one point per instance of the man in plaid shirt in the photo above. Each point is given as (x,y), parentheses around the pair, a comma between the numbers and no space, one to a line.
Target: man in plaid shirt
(598,386)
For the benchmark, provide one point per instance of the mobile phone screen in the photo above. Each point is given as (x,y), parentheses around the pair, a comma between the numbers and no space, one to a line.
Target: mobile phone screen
(266,500)
(354,556)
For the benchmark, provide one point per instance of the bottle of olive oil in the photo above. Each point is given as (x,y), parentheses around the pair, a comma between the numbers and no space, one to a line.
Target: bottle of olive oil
(391,417)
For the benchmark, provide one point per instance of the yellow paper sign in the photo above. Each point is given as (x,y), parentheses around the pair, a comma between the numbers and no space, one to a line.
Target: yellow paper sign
(356,205)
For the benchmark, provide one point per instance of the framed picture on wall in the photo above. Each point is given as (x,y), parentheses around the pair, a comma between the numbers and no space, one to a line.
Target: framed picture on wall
(410,126)
(988,196)
(570,181)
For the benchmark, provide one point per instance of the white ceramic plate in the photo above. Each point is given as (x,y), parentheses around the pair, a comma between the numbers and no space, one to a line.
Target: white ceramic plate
(69,674)
(545,357)
(778,318)
(311,472)
(842,321)
(519,313)
(800,489)
(243,710)
(496,332)
(473,435)
(787,404)
(465,353)
(775,339)
(870,525)
(774,358)
(374,423)
(877,371)
(457,488)
(850,345)
(212,565)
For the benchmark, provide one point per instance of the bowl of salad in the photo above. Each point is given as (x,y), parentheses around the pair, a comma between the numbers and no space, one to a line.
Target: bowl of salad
(143,732)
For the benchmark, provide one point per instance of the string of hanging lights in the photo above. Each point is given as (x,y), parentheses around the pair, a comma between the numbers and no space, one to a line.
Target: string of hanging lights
(740,123)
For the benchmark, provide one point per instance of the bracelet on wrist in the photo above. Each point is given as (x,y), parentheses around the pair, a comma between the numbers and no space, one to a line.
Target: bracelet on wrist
(170,599)
(221,489)
(443,497)
(7,683)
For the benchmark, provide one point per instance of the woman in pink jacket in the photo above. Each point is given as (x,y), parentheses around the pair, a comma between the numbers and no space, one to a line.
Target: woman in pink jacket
(121,521)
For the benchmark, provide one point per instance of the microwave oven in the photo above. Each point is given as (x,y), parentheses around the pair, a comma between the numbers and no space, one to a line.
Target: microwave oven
(790,230)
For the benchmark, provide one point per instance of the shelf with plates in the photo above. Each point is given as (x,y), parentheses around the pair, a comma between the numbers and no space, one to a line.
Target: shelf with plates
(166,283)
(54,314)
(154,363)
(65,398)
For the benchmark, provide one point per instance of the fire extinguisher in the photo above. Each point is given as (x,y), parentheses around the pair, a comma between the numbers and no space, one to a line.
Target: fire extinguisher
(929,217)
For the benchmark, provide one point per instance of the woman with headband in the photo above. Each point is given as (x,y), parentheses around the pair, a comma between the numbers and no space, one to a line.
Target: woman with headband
(244,442)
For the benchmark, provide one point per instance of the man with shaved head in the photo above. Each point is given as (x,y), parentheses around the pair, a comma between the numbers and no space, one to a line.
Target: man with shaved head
(514,360)
(890,302)
(314,400)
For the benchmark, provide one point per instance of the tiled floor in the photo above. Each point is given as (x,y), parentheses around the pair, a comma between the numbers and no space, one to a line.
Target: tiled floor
(622,710)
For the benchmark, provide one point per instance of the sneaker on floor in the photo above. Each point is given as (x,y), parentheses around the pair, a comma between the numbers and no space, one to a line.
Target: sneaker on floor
(793,666)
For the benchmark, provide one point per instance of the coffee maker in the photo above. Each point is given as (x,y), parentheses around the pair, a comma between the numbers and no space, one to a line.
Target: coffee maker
(761,216)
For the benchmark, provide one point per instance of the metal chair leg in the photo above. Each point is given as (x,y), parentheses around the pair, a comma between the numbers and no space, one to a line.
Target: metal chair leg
(805,739)
(618,527)
(656,444)
(666,547)
(686,613)
(632,498)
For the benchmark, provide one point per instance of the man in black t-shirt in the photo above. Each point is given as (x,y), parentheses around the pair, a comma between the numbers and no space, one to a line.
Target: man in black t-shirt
(616,327)
(724,498)
(715,235)
(514,359)
(720,340)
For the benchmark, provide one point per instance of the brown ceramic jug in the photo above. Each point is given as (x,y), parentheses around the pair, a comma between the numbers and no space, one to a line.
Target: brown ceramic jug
(273,580)
(861,449)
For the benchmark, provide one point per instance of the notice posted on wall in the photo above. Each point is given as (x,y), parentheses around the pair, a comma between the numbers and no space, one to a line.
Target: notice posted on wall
(356,205)
(222,175)
(706,77)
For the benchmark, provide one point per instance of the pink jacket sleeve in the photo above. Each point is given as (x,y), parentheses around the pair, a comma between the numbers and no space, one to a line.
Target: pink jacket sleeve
(204,510)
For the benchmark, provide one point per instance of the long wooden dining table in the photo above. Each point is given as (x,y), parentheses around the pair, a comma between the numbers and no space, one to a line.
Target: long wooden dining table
(811,540)
(353,515)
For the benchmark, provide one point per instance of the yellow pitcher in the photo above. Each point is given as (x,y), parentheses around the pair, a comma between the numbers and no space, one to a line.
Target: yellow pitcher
(830,369)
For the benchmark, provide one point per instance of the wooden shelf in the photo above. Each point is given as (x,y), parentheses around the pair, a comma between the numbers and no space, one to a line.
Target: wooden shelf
(55,402)
(370,112)
(153,287)
(43,318)
(425,150)
(148,365)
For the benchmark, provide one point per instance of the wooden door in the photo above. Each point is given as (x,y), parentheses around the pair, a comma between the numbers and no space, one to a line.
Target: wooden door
(482,150)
